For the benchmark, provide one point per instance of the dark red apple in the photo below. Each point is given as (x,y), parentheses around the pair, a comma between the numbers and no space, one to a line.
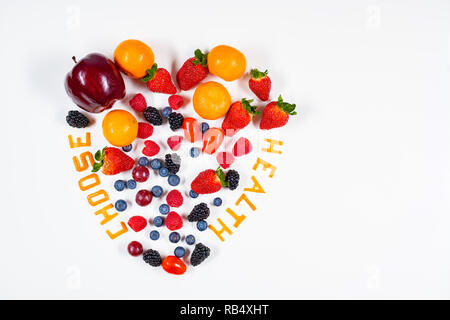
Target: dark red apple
(95,83)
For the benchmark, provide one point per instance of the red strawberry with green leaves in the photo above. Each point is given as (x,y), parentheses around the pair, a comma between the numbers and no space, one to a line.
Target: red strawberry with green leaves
(112,161)
(260,84)
(159,80)
(276,114)
(209,181)
(239,116)
(193,71)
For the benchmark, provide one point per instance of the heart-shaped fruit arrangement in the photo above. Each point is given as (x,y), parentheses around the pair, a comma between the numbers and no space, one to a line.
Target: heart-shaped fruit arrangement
(95,84)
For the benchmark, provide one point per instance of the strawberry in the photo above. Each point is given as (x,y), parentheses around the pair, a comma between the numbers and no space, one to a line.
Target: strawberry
(112,160)
(174,142)
(276,114)
(209,181)
(238,117)
(151,148)
(242,147)
(225,159)
(193,71)
(159,80)
(260,84)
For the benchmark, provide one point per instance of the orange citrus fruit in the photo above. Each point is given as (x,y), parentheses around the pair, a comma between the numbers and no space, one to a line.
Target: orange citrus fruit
(226,62)
(120,128)
(134,58)
(211,100)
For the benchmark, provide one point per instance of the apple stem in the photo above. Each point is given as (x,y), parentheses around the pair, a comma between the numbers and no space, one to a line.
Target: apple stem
(74,59)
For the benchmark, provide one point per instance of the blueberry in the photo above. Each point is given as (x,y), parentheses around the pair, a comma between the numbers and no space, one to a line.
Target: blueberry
(163,172)
(143,161)
(154,235)
(194,152)
(119,185)
(179,252)
(158,221)
(190,239)
(155,164)
(157,191)
(193,194)
(120,205)
(174,237)
(166,112)
(202,225)
(164,208)
(127,148)
(204,127)
(174,180)
(217,202)
(131,184)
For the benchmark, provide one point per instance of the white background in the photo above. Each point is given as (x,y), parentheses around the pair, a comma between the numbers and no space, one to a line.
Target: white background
(359,205)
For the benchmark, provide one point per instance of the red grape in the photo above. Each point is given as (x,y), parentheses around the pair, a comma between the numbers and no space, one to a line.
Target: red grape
(140,174)
(144,198)
(135,248)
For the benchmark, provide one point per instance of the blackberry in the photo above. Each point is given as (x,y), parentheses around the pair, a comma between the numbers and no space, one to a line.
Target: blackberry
(173,162)
(200,212)
(153,116)
(77,119)
(152,257)
(200,253)
(232,178)
(175,120)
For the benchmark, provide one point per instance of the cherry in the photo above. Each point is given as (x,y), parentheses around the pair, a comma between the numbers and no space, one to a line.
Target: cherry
(144,198)
(140,174)
(135,248)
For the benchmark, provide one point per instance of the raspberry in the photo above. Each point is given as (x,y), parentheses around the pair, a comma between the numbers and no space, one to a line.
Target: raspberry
(137,223)
(242,147)
(200,212)
(76,119)
(152,257)
(175,102)
(174,142)
(151,148)
(174,198)
(200,253)
(145,130)
(225,159)
(174,221)
(138,102)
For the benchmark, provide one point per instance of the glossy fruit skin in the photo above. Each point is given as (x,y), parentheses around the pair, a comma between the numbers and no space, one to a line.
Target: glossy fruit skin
(140,174)
(191,129)
(211,100)
(212,140)
(134,58)
(226,62)
(144,198)
(174,265)
(95,83)
(135,248)
(120,128)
